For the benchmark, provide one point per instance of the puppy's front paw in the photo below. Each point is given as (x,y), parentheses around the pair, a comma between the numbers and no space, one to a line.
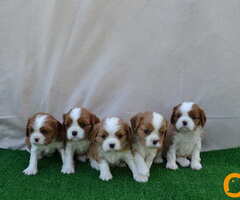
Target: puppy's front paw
(184,162)
(67,170)
(171,165)
(30,171)
(143,171)
(196,165)
(140,178)
(105,176)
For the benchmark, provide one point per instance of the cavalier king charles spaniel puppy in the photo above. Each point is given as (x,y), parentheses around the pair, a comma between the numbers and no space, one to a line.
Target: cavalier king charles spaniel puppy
(188,120)
(111,145)
(149,130)
(44,135)
(78,124)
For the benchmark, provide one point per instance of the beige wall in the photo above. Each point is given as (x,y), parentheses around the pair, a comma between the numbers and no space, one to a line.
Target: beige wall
(118,57)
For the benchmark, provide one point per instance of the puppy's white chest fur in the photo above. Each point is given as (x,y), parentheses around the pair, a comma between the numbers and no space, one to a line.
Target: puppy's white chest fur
(50,148)
(185,142)
(80,146)
(145,151)
(113,158)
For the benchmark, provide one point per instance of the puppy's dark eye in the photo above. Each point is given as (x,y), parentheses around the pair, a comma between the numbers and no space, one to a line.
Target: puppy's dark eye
(44,131)
(82,124)
(104,136)
(147,131)
(178,115)
(194,117)
(120,136)
(31,130)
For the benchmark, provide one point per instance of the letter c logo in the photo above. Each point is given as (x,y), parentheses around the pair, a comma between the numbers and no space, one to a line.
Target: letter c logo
(227,180)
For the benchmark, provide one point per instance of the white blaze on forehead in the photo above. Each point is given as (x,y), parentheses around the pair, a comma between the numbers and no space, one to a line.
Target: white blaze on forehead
(157,120)
(186,107)
(111,125)
(39,121)
(75,113)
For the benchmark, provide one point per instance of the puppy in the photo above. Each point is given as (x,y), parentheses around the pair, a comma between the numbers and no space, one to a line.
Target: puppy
(78,124)
(149,130)
(111,145)
(44,135)
(188,120)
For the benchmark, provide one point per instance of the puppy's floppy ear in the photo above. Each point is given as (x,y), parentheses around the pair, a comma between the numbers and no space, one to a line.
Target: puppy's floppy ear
(94,132)
(173,121)
(203,117)
(94,119)
(128,131)
(64,117)
(165,125)
(135,121)
(27,127)
(60,130)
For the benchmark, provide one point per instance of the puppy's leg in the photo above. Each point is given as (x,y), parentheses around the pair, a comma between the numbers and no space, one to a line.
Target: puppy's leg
(158,158)
(68,164)
(105,173)
(94,164)
(149,160)
(141,165)
(184,162)
(62,154)
(195,161)
(32,167)
(131,164)
(171,158)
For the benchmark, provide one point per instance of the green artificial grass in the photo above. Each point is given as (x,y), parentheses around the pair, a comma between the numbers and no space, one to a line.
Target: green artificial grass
(165,184)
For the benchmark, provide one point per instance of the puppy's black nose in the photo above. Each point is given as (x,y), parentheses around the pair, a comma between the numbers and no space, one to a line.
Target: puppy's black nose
(74,133)
(36,139)
(155,142)
(184,123)
(112,145)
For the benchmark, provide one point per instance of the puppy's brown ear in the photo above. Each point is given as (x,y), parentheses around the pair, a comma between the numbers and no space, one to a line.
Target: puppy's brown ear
(166,125)
(135,122)
(94,132)
(60,131)
(128,131)
(27,127)
(173,119)
(203,117)
(94,119)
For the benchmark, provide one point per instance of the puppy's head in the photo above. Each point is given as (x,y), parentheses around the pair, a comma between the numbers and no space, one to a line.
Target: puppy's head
(187,117)
(42,128)
(112,134)
(78,123)
(150,128)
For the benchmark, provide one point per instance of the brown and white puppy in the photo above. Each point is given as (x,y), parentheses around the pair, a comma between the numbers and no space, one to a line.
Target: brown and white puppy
(149,130)
(188,120)
(78,124)
(111,145)
(44,135)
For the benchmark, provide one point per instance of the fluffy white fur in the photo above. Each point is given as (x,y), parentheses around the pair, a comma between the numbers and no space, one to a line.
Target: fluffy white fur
(187,141)
(39,148)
